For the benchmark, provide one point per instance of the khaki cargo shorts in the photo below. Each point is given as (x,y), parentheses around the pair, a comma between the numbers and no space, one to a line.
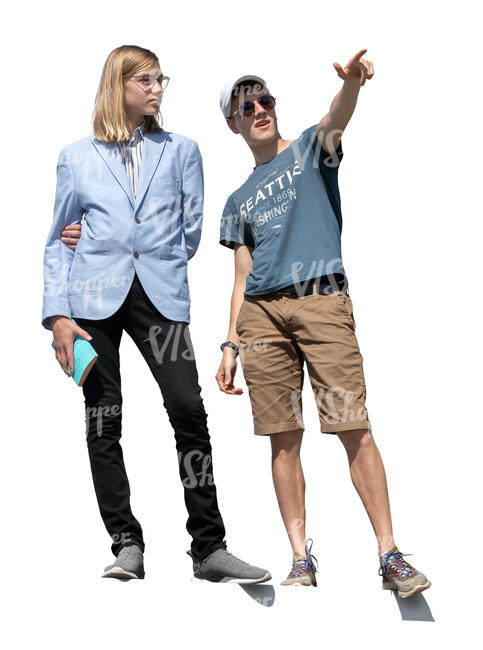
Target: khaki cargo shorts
(278,333)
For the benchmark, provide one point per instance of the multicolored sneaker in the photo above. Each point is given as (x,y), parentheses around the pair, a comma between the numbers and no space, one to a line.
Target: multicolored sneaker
(399,574)
(303,569)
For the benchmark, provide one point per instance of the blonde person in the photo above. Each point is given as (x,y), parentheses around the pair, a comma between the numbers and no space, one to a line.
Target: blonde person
(290,306)
(138,189)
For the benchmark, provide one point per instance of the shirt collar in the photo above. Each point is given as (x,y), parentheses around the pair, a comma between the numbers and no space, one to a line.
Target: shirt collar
(137,135)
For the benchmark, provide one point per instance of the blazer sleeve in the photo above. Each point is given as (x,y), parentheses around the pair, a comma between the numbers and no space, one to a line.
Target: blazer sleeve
(57,256)
(192,199)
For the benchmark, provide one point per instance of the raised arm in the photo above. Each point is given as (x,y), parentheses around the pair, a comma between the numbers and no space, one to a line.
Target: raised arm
(226,371)
(332,125)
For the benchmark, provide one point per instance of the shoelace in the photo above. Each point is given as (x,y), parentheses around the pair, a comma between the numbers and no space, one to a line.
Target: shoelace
(394,558)
(125,552)
(236,558)
(225,558)
(304,564)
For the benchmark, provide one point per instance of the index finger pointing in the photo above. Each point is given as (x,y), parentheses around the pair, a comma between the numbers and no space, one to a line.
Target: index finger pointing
(357,56)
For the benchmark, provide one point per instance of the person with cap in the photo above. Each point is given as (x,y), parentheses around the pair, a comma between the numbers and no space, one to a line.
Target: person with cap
(290,306)
(139,190)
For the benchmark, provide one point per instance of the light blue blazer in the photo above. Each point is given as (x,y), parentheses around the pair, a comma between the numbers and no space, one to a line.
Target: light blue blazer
(154,235)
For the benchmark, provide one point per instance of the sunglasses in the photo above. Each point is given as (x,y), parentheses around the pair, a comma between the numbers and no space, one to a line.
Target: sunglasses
(246,109)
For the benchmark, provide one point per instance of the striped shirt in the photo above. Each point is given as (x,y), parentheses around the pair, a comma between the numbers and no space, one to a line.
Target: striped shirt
(131,152)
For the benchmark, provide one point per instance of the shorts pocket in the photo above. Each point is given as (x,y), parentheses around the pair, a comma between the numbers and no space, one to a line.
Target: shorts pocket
(242,308)
(346,306)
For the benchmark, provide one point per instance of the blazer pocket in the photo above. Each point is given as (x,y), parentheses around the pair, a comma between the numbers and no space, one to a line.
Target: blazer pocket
(172,252)
(90,266)
(167,183)
(99,246)
(174,268)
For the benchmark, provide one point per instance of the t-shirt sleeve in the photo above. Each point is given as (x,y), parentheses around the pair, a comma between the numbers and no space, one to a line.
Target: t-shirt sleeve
(233,229)
(328,162)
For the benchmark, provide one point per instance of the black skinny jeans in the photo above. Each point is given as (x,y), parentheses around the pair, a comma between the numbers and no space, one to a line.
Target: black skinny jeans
(166,346)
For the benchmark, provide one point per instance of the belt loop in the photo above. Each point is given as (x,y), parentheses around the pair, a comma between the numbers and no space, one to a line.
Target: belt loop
(316,284)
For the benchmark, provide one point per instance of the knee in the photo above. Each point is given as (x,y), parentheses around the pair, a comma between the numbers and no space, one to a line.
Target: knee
(285,450)
(186,413)
(103,421)
(354,439)
(187,406)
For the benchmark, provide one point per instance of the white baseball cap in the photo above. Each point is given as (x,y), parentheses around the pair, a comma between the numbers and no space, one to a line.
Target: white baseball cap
(225,96)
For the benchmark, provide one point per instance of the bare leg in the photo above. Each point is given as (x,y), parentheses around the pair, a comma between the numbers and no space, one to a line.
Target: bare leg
(369,479)
(289,483)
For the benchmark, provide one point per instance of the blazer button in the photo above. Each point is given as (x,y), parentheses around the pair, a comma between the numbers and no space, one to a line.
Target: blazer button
(138,220)
(136,254)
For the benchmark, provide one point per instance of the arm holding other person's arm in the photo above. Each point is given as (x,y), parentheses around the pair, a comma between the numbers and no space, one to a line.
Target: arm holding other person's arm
(226,371)
(71,235)
(332,125)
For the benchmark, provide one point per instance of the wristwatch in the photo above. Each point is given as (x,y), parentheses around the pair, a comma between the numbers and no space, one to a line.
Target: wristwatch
(229,344)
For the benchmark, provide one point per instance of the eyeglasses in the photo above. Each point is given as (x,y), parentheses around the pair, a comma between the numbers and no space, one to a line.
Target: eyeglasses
(147,81)
(246,109)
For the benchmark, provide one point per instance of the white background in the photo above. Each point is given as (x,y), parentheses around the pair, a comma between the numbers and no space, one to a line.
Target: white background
(410,184)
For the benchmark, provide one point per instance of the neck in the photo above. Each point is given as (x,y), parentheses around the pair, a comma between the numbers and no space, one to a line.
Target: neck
(132,123)
(265,151)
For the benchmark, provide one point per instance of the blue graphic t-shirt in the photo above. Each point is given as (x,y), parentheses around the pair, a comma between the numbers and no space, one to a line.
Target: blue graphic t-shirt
(289,212)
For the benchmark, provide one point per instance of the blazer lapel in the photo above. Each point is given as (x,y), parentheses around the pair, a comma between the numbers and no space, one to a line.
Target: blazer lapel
(153,148)
(113,159)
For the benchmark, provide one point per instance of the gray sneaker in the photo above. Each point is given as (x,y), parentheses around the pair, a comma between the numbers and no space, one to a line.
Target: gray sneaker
(129,564)
(222,566)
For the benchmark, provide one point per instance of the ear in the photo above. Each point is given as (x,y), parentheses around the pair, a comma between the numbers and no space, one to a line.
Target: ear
(231,124)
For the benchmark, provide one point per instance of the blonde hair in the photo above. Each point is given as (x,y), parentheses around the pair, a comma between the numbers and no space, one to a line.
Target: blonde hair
(109,124)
